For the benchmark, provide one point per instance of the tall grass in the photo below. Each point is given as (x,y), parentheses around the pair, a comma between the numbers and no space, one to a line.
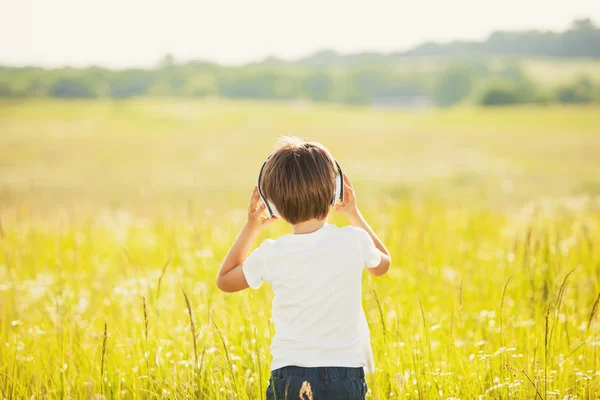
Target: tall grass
(424,344)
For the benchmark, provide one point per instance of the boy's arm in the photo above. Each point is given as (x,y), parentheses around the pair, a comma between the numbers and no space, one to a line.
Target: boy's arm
(359,221)
(350,209)
(231,277)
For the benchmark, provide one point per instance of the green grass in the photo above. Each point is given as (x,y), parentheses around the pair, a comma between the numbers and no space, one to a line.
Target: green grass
(113,213)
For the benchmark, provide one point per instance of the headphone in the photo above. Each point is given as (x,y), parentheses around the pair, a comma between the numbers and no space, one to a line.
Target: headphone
(337,195)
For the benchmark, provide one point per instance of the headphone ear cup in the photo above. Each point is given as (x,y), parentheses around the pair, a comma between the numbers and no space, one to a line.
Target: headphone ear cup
(274,210)
(339,189)
(339,184)
(271,209)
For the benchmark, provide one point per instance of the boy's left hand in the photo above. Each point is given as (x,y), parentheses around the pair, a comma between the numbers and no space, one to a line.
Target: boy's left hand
(256,218)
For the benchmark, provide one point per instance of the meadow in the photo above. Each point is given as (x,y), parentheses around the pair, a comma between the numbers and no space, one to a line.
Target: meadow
(115,216)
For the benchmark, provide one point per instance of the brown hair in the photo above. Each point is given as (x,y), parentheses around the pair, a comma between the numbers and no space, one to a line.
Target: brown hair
(299,179)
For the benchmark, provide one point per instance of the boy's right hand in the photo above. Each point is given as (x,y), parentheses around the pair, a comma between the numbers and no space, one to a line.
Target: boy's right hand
(256,218)
(348,207)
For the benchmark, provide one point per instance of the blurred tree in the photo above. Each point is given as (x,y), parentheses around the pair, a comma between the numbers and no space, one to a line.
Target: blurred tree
(319,86)
(129,83)
(6,90)
(516,81)
(499,96)
(202,84)
(582,91)
(453,86)
(71,88)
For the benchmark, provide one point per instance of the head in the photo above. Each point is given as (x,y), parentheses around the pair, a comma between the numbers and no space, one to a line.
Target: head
(300,180)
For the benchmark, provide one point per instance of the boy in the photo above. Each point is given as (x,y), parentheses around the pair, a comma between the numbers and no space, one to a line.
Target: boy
(321,345)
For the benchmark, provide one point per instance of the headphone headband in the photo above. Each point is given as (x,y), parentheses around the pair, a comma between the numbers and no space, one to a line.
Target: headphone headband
(338,192)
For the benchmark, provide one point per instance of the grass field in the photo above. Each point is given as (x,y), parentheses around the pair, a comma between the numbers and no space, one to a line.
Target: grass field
(112,213)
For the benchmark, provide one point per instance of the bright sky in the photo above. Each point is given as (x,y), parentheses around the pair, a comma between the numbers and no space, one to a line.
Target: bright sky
(119,33)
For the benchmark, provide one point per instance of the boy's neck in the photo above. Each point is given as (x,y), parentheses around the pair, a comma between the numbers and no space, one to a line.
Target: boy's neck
(309,226)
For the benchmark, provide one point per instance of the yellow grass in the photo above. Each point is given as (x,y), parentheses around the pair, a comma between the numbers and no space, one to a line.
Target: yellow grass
(113,213)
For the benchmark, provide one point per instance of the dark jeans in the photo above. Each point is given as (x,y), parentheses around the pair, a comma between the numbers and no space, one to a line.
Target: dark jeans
(317,383)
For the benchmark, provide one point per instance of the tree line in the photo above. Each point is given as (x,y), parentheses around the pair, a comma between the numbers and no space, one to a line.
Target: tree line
(430,74)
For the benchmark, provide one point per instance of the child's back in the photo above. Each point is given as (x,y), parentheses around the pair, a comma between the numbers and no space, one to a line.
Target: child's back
(317,311)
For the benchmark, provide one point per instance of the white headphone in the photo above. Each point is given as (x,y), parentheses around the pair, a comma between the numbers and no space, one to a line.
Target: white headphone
(337,195)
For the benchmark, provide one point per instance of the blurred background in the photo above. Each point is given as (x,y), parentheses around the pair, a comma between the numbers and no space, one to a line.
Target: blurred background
(138,103)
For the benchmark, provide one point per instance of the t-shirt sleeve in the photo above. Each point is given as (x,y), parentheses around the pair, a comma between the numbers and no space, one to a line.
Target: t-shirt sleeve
(370,254)
(254,267)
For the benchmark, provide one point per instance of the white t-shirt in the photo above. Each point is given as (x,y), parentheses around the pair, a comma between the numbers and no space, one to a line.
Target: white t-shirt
(317,310)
